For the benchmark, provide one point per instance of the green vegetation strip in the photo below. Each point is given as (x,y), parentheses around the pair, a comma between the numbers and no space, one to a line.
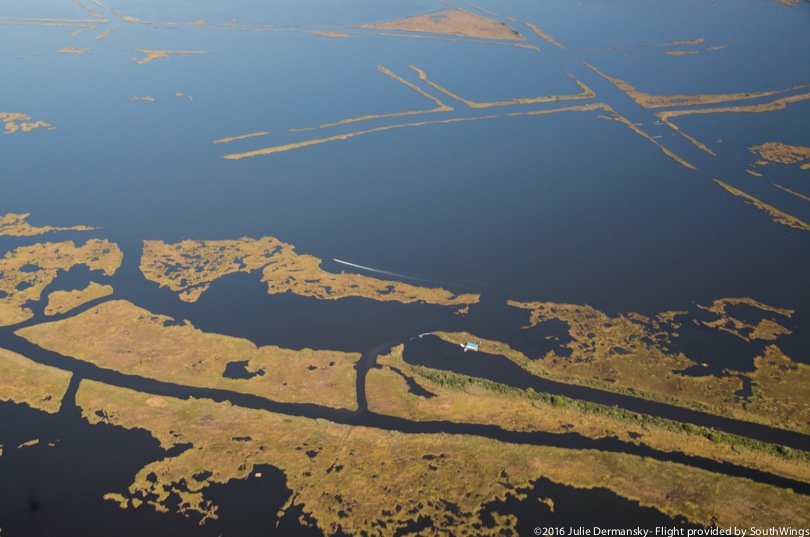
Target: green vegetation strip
(632,354)
(391,390)
(456,381)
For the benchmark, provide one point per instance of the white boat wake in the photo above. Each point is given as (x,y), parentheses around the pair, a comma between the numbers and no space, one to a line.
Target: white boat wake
(406,277)
(363,267)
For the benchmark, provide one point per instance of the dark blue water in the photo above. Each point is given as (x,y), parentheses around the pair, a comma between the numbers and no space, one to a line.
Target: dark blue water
(432,352)
(604,510)
(566,207)
(64,485)
(58,490)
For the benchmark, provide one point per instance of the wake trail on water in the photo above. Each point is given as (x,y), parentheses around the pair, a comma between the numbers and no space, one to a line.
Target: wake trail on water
(363,267)
(402,276)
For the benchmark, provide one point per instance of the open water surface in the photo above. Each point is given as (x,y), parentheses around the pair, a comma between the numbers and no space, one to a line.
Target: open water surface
(563,207)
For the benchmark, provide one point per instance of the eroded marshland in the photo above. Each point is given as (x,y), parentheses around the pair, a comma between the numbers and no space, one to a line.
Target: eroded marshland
(64,301)
(28,382)
(420,393)
(134,341)
(781,153)
(16,225)
(634,354)
(19,122)
(189,268)
(27,270)
(358,478)
(365,440)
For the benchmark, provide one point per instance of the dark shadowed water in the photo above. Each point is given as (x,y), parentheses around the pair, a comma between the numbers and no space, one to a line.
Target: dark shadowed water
(565,207)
